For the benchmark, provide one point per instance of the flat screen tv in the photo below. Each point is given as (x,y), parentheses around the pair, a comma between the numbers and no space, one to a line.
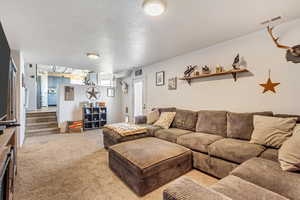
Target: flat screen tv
(4,74)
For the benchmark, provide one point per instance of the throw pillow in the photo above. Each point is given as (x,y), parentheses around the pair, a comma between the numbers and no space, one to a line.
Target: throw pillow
(289,153)
(165,120)
(152,116)
(272,131)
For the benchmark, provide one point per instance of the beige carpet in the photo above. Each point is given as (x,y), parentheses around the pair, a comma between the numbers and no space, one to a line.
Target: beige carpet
(74,167)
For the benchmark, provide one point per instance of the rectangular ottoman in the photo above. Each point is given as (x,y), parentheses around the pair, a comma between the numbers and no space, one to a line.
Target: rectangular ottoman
(148,163)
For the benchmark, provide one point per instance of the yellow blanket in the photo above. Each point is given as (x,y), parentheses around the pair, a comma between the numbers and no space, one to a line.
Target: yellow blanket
(126,129)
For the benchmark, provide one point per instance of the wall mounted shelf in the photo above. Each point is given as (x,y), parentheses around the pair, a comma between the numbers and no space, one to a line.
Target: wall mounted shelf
(233,72)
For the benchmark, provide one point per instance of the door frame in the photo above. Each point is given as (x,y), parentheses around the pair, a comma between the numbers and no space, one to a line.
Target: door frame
(143,79)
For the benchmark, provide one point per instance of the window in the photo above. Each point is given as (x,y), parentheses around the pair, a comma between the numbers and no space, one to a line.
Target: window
(106,83)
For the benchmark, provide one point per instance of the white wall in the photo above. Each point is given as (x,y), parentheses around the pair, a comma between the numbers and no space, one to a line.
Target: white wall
(222,93)
(20,107)
(31,86)
(71,110)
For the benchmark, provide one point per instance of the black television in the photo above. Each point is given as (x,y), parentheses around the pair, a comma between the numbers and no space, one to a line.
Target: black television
(5,68)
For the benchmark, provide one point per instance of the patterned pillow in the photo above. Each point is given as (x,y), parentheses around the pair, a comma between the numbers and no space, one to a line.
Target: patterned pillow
(165,120)
(152,116)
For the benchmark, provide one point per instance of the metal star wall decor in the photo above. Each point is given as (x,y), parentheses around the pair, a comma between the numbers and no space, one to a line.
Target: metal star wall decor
(269,86)
(92,93)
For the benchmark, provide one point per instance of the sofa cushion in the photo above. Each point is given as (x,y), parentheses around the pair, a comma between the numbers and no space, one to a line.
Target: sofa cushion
(288,116)
(234,150)
(270,154)
(289,153)
(198,141)
(213,122)
(240,125)
(215,166)
(268,174)
(272,131)
(151,129)
(186,189)
(185,119)
(170,134)
(239,189)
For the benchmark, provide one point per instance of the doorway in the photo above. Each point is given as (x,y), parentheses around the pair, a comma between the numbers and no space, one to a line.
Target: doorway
(138,97)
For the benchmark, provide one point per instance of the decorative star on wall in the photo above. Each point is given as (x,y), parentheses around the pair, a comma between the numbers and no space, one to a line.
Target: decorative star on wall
(92,93)
(269,86)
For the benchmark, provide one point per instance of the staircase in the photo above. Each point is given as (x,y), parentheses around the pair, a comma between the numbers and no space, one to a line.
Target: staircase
(41,123)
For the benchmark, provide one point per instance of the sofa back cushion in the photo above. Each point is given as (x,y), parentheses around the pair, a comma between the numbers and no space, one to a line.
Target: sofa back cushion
(240,125)
(185,119)
(212,122)
(287,116)
(170,109)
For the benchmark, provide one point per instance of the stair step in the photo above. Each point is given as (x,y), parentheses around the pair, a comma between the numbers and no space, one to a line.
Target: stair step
(41,119)
(43,130)
(41,125)
(40,114)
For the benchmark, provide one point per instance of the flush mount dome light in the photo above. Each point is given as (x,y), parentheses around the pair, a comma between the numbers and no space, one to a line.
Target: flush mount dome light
(154,7)
(93,56)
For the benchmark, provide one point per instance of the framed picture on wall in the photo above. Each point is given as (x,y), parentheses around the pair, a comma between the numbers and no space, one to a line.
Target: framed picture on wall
(172,83)
(111,92)
(160,78)
(69,93)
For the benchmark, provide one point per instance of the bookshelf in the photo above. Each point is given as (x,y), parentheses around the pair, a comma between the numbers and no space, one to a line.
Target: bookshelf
(94,117)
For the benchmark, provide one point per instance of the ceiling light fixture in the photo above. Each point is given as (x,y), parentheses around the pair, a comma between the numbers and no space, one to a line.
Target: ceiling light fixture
(154,7)
(93,56)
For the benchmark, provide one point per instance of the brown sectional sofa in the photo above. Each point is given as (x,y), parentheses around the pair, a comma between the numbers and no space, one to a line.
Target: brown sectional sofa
(220,146)
(219,139)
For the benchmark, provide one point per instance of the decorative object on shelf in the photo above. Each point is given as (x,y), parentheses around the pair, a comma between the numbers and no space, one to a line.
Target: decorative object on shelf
(172,84)
(189,70)
(292,53)
(111,92)
(196,73)
(101,104)
(219,69)
(269,86)
(233,72)
(69,93)
(124,86)
(160,78)
(236,62)
(92,93)
(205,70)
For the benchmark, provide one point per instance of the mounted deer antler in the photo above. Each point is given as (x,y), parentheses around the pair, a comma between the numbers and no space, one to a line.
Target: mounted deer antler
(270,30)
(292,54)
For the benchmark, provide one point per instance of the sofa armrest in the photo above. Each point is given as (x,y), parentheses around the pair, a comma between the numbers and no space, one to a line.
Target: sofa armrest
(186,189)
(140,119)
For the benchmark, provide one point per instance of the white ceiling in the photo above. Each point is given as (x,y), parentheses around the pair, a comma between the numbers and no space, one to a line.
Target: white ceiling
(61,32)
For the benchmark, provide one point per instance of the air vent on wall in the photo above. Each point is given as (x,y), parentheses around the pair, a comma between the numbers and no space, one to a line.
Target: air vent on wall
(273,20)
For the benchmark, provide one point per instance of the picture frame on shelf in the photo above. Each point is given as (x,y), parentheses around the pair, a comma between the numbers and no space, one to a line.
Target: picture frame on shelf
(160,78)
(172,83)
(110,92)
(69,93)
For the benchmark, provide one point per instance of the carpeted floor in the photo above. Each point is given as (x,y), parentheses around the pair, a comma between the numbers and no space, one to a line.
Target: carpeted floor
(74,167)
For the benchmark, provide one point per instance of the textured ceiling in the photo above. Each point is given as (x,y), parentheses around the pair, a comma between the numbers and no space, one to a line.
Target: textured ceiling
(61,32)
